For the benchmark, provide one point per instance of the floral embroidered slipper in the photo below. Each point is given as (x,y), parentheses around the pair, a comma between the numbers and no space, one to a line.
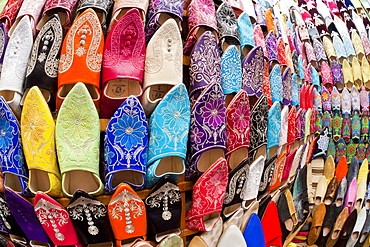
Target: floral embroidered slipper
(125,146)
(231,72)
(253,69)
(246,33)
(227,26)
(168,135)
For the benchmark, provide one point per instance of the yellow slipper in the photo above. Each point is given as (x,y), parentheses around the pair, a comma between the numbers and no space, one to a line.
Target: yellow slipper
(38,140)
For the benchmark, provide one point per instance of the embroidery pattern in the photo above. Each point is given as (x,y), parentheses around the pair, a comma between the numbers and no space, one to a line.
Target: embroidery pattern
(272,46)
(276,84)
(90,23)
(247,35)
(237,185)
(226,21)
(253,68)
(259,116)
(4,212)
(287,87)
(231,71)
(168,193)
(274,123)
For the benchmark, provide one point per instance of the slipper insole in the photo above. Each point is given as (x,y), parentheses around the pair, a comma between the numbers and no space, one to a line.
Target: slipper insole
(83,180)
(208,158)
(169,164)
(210,220)
(122,88)
(129,176)
(39,180)
(158,91)
(91,88)
(45,93)
(237,157)
(12,181)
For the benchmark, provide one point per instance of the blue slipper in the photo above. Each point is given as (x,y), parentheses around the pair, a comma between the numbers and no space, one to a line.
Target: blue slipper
(276,84)
(231,70)
(168,136)
(253,232)
(125,146)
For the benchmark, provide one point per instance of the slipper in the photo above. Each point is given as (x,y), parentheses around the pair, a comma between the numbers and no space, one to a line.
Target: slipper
(337,227)
(13,164)
(355,127)
(91,230)
(329,168)
(125,146)
(365,67)
(331,191)
(326,76)
(210,238)
(360,222)
(232,233)
(253,69)
(246,33)
(339,47)
(271,226)
(326,99)
(276,84)
(231,71)
(329,48)
(158,13)
(235,219)
(327,121)
(274,126)
(168,136)
(63,9)
(287,87)
(237,129)
(12,77)
(45,52)
(172,240)
(201,72)
(120,8)
(272,49)
(347,229)
(361,151)
(158,80)
(351,150)
(357,44)
(291,127)
(320,190)
(212,185)
(118,84)
(259,39)
(102,8)
(55,220)
(347,74)
(331,215)
(81,57)
(357,75)
(363,236)
(259,117)
(286,221)
(207,131)
(253,233)
(227,26)
(360,195)
(266,82)
(338,79)
(127,214)
(38,133)
(77,138)
(236,189)
(316,225)
(9,13)
(351,195)
(346,102)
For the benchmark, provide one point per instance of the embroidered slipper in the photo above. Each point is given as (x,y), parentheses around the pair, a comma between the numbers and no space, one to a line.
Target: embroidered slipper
(12,77)
(227,26)
(13,165)
(81,57)
(276,84)
(337,75)
(41,69)
(207,130)
(357,44)
(231,72)
(253,69)
(63,9)
(346,102)
(295,90)
(91,230)
(355,100)
(38,140)
(127,215)
(237,129)
(203,73)
(212,185)
(287,87)
(159,12)
(9,13)
(24,214)
(329,48)
(125,146)
(55,220)
(164,71)
(246,33)
(128,53)
(212,237)
(271,45)
(356,127)
(259,117)
(253,180)
(201,18)
(120,8)
(273,128)
(77,137)
(259,39)
(339,47)
(365,68)
(168,135)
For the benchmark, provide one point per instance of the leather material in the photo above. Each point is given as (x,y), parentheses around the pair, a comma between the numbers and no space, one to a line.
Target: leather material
(271,225)
(207,131)
(170,120)
(163,66)
(8,221)
(163,206)
(81,55)
(212,184)
(253,68)
(253,233)
(38,140)
(125,146)
(204,72)
(123,58)
(15,64)
(10,12)
(232,233)
(83,130)
(127,214)
(23,212)
(100,6)
(55,220)
(90,218)
(13,162)
(42,69)
(33,10)
(120,6)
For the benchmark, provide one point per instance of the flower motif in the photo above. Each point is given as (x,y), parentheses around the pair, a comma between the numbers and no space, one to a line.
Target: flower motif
(214,113)
(42,57)
(108,155)
(196,135)
(81,121)
(216,185)
(129,131)
(5,134)
(176,114)
(33,126)
(240,118)
(80,51)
